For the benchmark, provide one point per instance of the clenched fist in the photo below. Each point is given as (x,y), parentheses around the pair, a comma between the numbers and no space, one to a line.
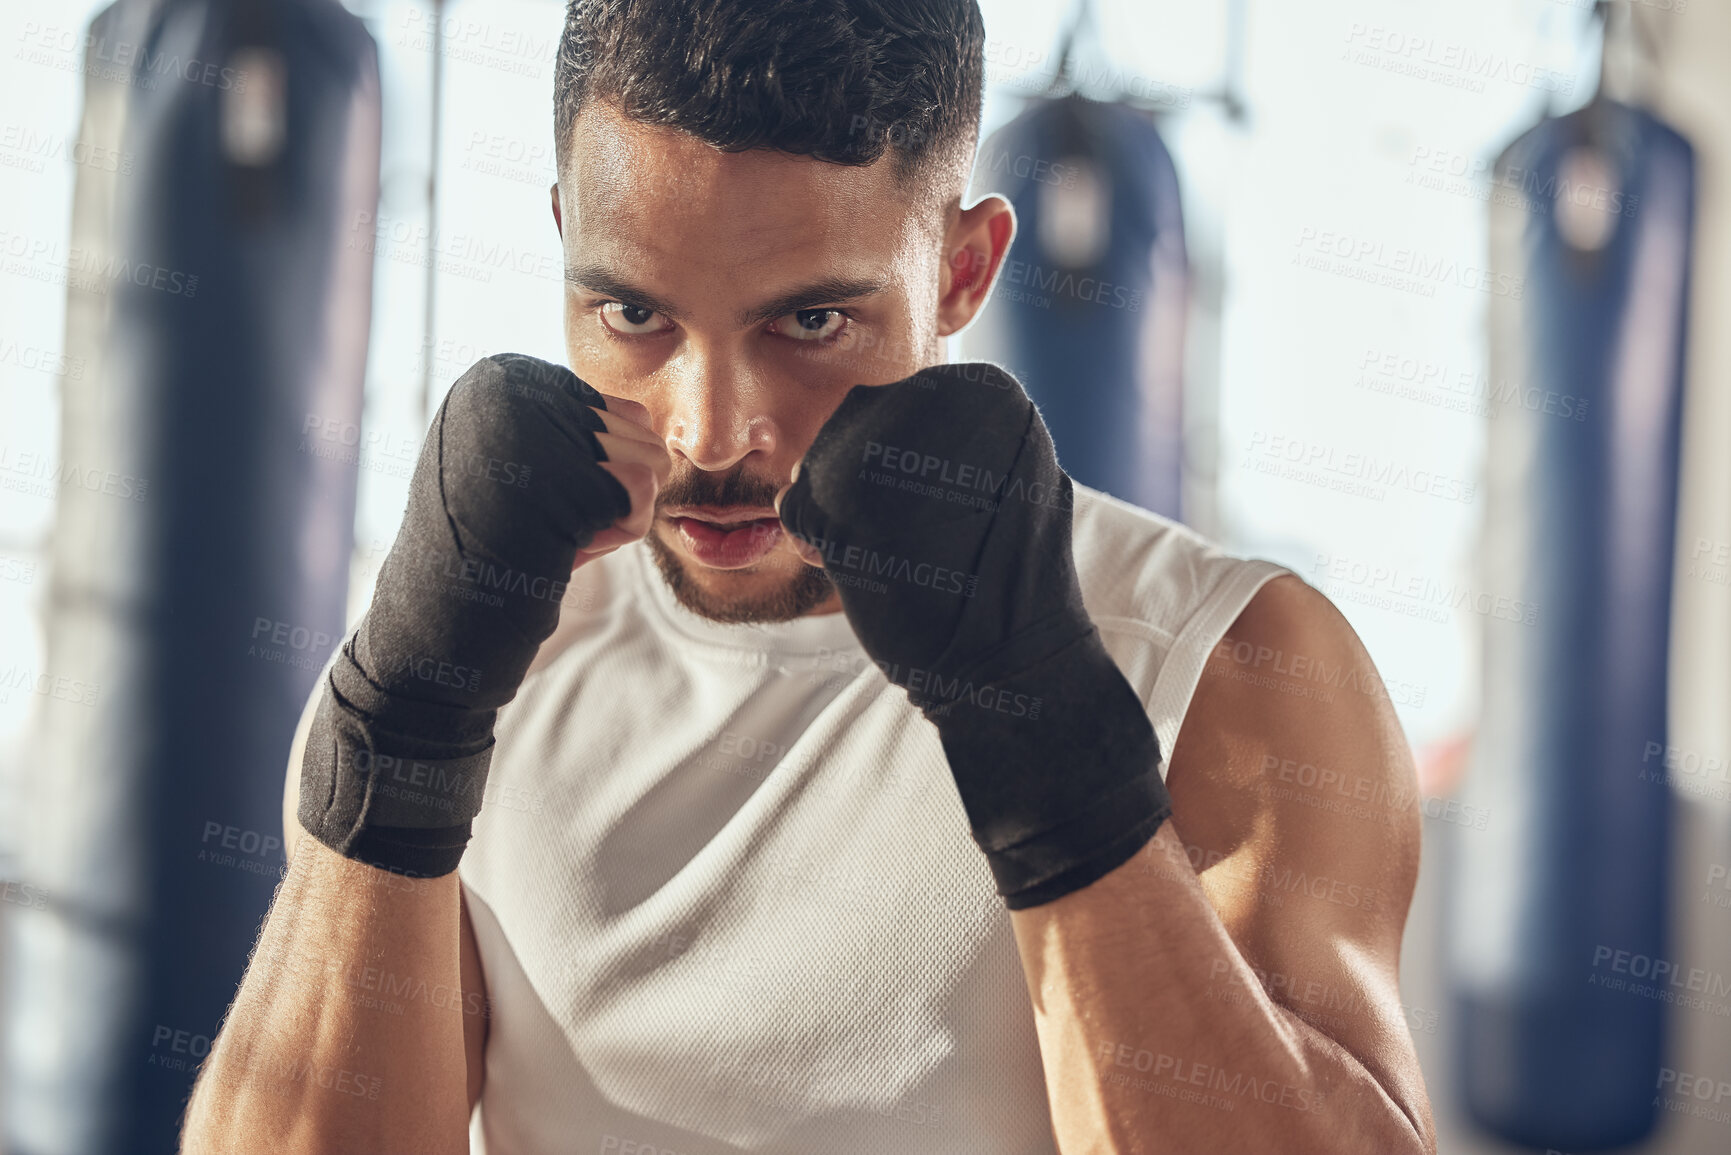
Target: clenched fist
(526,473)
(938,508)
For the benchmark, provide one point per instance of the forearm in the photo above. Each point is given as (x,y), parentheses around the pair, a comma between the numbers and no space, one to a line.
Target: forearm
(339,1039)
(1156,1035)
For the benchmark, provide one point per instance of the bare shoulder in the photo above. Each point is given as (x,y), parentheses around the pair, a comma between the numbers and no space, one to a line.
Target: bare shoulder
(1295,793)
(1291,747)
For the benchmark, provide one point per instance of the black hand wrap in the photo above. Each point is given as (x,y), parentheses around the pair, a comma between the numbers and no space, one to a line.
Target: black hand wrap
(944,519)
(507,489)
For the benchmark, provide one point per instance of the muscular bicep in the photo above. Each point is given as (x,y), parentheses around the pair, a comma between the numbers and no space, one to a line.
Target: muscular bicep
(1295,792)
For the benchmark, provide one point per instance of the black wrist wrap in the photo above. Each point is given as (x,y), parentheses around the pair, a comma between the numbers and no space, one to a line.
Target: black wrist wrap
(944,519)
(507,489)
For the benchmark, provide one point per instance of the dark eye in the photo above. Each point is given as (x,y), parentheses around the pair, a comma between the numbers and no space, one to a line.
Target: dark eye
(633,320)
(810,324)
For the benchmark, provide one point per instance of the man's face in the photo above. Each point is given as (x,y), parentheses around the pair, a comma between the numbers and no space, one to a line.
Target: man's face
(738,296)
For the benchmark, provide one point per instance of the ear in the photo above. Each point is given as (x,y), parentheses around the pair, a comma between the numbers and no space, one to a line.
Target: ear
(974,247)
(558,222)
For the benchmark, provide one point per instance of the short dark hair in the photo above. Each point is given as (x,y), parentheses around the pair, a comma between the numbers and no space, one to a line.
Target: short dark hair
(837,80)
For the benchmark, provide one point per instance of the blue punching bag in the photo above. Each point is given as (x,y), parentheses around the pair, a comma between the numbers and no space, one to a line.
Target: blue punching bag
(1089,307)
(200,584)
(1558,911)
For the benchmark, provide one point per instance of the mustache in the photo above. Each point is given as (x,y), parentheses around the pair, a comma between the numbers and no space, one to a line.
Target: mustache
(693,486)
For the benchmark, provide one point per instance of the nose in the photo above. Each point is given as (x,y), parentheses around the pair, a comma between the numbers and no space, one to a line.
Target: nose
(719,414)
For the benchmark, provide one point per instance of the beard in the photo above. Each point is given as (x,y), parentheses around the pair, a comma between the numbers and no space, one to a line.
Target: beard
(773,597)
(782,600)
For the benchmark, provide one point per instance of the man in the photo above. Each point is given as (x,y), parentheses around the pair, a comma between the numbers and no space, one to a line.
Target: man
(725,889)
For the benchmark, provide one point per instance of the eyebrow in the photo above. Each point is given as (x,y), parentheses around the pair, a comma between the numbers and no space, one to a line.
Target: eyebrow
(827,290)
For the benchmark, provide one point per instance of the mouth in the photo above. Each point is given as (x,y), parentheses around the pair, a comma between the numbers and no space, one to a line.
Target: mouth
(725,537)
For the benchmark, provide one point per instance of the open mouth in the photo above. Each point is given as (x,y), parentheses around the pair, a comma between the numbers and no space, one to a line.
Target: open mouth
(726,538)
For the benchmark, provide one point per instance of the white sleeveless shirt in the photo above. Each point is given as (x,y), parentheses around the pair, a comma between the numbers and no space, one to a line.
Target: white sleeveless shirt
(724,891)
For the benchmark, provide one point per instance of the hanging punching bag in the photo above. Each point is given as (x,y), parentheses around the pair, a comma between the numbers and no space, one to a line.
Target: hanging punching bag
(1089,307)
(201,544)
(1558,909)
